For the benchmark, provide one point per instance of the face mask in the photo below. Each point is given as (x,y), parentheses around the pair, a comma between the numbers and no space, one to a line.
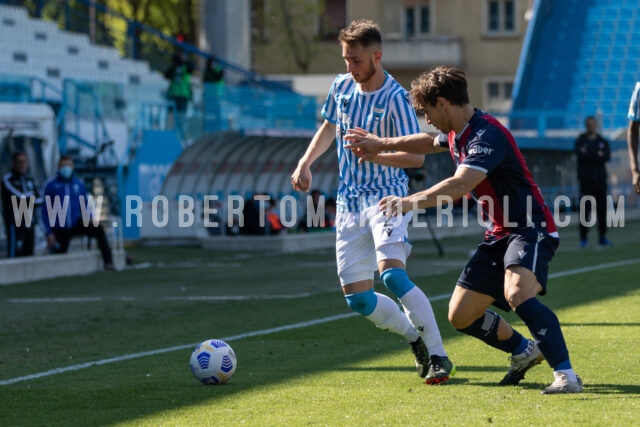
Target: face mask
(66,172)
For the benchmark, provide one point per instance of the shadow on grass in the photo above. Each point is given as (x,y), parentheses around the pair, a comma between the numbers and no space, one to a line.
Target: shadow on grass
(604,389)
(613,389)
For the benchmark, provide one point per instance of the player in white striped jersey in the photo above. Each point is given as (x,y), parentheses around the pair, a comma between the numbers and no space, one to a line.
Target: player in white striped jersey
(632,136)
(368,97)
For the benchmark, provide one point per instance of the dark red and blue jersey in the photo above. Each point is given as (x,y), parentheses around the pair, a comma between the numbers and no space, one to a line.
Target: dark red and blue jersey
(509,197)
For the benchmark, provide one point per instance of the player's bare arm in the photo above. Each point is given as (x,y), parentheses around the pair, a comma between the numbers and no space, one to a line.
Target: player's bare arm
(321,141)
(464,180)
(418,143)
(396,160)
(633,135)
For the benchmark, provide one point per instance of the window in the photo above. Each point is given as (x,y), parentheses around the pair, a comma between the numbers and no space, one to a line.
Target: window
(333,19)
(500,17)
(260,16)
(498,94)
(417,18)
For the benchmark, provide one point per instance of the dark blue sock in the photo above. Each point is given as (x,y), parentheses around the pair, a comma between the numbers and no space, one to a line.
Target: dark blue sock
(524,343)
(545,328)
(486,329)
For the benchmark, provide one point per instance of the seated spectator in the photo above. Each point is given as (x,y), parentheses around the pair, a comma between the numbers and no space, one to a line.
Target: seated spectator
(251,217)
(317,204)
(212,217)
(63,224)
(19,226)
(274,224)
(330,209)
(325,209)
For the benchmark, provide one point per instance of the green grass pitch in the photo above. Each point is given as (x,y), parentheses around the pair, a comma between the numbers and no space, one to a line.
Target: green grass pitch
(140,325)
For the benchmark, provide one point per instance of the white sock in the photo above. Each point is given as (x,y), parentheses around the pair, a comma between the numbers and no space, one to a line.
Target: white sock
(569,373)
(419,312)
(388,316)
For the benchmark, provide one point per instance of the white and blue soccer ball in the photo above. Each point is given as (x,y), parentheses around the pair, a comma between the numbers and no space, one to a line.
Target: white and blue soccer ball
(213,362)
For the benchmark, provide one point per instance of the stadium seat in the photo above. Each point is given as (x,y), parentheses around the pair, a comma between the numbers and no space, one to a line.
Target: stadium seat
(37,47)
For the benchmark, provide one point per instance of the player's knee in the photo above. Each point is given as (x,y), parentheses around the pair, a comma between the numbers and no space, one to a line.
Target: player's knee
(397,281)
(362,302)
(516,295)
(458,318)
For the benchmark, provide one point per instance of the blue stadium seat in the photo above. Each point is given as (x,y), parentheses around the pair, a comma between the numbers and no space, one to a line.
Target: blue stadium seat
(591,67)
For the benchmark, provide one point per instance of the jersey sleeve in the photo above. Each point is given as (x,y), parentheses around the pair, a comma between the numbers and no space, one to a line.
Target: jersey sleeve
(483,155)
(330,107)
(404,116)
(634,105)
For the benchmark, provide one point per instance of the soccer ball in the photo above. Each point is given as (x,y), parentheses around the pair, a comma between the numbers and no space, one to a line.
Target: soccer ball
(213,362)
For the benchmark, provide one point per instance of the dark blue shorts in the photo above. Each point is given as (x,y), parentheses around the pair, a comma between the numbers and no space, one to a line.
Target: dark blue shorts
(526,247)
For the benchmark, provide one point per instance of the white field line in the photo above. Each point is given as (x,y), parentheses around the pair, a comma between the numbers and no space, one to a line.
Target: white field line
(187,346)
(594,268)
(173,298)
(268,331)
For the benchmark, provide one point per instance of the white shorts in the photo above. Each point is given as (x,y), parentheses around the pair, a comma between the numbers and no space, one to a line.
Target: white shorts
(365,238)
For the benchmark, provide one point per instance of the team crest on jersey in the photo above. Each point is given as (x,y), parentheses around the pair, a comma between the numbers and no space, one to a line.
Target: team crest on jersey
(377,112)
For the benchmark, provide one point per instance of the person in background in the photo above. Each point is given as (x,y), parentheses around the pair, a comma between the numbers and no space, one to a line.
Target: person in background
(61,226)
(632,136)
(593,152)
(274,224)
(179,76)
(214,89)
(213,73)
(19,225)
(314,206)
(330,210)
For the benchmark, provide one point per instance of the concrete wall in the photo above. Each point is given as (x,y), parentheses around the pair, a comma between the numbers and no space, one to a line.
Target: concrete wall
(28,269)
(225,30)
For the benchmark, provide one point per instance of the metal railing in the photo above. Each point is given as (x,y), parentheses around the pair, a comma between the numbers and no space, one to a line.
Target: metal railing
(133,39)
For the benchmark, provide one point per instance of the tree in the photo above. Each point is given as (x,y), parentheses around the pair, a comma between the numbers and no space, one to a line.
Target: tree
(299,26)
(176,18)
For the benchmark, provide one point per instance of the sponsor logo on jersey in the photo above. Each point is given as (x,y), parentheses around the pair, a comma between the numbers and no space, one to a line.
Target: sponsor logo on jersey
(480,149)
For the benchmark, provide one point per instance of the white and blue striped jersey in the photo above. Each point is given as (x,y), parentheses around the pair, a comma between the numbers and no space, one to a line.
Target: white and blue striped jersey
(634,106)
(385,112)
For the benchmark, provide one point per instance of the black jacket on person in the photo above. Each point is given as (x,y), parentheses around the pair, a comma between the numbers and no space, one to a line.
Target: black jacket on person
(591,163)
(15,184)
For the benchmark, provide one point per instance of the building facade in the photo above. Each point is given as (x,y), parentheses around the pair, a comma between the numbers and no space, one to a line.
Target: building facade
(296,41)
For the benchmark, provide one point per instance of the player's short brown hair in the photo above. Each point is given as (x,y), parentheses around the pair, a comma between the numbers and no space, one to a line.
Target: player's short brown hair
(443,81)
(361,31)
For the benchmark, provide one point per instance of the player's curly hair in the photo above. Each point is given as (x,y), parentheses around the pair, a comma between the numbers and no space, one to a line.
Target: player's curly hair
(442,81)
(361,31)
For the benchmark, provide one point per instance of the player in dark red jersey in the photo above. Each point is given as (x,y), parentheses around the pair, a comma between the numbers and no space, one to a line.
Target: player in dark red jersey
(510,267)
